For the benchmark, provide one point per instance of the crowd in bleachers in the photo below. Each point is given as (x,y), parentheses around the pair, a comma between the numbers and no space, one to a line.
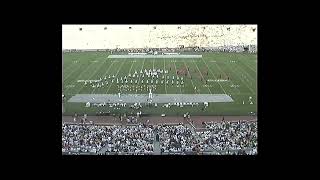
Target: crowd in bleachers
(178,139)
(137,139)
(218,137)
(86,138)
(229,48)
(231,135)
(91,37)
(83,138)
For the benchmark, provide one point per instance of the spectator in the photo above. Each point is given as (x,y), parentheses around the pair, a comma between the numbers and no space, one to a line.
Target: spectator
(85,138)
(225,137)
(176,138)
(231,135)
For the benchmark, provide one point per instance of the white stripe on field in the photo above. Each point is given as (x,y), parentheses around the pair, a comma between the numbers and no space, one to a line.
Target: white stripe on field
(176,73)
(91,76)
(202,76)
(115,76)
(104,75)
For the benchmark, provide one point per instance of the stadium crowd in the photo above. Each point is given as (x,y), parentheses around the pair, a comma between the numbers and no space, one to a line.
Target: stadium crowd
(137,139)
(178,139)
(231,135)
(86,138)
(235,138)
(227,48)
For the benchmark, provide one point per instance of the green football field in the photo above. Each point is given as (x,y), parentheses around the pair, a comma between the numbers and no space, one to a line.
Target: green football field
(215,68)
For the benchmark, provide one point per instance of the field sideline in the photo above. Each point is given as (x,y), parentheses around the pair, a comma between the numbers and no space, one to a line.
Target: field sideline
(241,68)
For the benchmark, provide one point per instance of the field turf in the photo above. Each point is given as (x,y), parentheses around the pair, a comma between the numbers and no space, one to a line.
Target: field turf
(241,68)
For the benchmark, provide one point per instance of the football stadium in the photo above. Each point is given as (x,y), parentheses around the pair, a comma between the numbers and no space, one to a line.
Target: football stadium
(159,89)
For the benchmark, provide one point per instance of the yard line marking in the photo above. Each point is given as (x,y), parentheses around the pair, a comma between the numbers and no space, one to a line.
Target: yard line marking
(144,59)
(252,79)
(73,70)
(141,70)
(165,77)
(78,77)
(189,74)
(244,82)
(94,72)
(233,70)
(131,67)
(245,71)
(239,67)
(248,66)
(133,61)
(176,73)
(103,75)
(68,63)
(202,76)
(216,78)
(69,67)
(153,64)
(66,77)
(115,76)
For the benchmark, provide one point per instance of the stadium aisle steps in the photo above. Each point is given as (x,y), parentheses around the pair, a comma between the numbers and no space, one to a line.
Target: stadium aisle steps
(156,148)
(197,136)
(104,148)
(193,131)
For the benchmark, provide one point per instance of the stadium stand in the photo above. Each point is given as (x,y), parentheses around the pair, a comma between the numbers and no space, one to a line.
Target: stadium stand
(86,138)
(176,139)
(231,135)
(139,139)
(164,36)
